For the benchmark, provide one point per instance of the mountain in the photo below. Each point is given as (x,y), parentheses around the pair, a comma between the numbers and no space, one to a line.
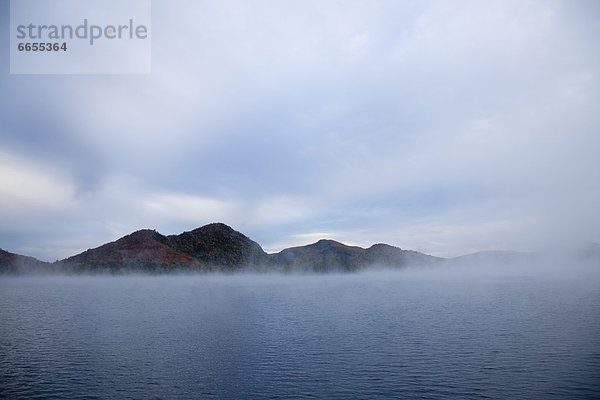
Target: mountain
(389,256)
(144,250)
(14,264)
(216,247)
(329,255)
(322,256)
(496,257)
(219,246)
(590,253)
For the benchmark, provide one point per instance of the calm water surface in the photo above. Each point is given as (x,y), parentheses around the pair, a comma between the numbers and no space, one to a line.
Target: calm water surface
(363,336)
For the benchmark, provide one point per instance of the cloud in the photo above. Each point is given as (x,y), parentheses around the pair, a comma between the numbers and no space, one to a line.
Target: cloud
(29,189)
(278,210)
(184,208)
(444,127)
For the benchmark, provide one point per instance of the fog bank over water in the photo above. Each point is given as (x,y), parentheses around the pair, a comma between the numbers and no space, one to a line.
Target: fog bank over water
(518,331)
(561,273)
(468,268)
(469,331)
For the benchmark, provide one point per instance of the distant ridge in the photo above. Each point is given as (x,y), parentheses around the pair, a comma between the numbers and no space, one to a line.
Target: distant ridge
(214,247)
(16,264)
(591,251)
(218,247)
(496,257)
(329,255)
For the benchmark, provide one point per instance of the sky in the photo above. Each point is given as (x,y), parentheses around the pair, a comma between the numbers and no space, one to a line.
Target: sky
(446,127)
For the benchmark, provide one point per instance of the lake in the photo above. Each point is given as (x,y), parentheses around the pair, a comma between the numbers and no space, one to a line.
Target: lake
(406,334)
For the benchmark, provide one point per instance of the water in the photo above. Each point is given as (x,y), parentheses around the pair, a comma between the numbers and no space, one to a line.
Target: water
(363,336)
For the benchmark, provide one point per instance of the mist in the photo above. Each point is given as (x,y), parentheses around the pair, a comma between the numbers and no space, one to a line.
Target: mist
(498,325)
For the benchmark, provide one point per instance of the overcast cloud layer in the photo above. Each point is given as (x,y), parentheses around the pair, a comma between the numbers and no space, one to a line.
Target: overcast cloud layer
(444,127)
